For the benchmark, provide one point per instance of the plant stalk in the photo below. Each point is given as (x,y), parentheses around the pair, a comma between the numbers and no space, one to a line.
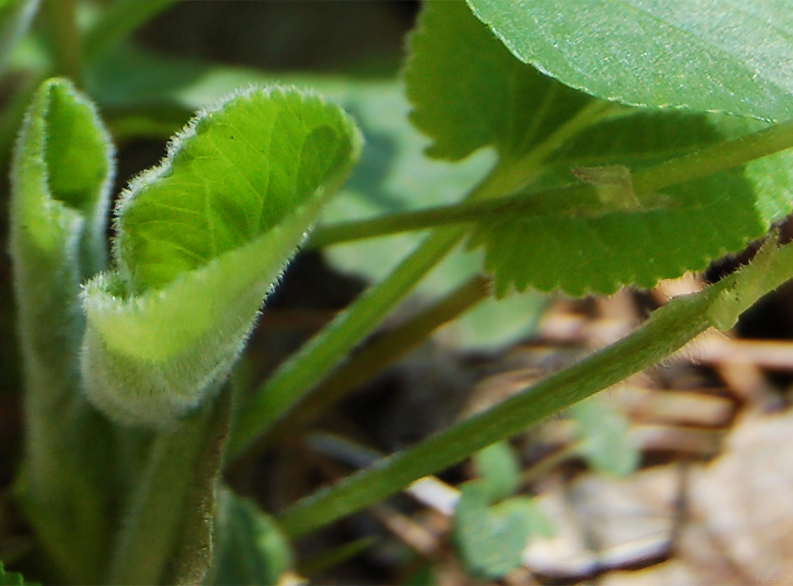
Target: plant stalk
(167,533)
(65,39)
(575,200)
(667,330)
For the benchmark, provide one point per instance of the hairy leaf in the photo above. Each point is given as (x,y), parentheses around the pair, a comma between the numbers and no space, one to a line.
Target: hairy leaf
(60,181)
(702,220)
(61,178)
(201,240)
(393,175)
(706,55)
(468,91)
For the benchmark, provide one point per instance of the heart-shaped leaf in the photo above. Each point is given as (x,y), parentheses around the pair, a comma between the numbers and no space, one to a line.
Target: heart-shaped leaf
(499,468)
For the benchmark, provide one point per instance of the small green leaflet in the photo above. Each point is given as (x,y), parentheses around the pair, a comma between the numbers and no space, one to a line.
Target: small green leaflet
(491,538)
(499,468)
(604,436)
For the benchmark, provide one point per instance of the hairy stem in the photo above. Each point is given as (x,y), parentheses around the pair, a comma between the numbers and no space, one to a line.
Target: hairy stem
(576,200)
(169,521)
(668,329)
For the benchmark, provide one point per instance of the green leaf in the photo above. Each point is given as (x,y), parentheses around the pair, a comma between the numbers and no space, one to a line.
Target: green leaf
(605,437)
(251,549)
(499,468)
(710,56)
(468,91)
(60,181)
(703,219)
(15,19)
(491,539)
(150,92)
(201,240)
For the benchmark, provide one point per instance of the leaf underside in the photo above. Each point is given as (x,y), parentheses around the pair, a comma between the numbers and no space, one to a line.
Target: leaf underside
(706,218)
(468,91)
(581,253)
(725,56)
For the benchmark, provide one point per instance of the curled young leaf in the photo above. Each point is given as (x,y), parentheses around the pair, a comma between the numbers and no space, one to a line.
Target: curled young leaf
(200,242)
(61,176)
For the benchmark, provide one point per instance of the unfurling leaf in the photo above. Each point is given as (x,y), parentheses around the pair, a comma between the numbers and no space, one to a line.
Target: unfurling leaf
(61,177)
(201,240)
